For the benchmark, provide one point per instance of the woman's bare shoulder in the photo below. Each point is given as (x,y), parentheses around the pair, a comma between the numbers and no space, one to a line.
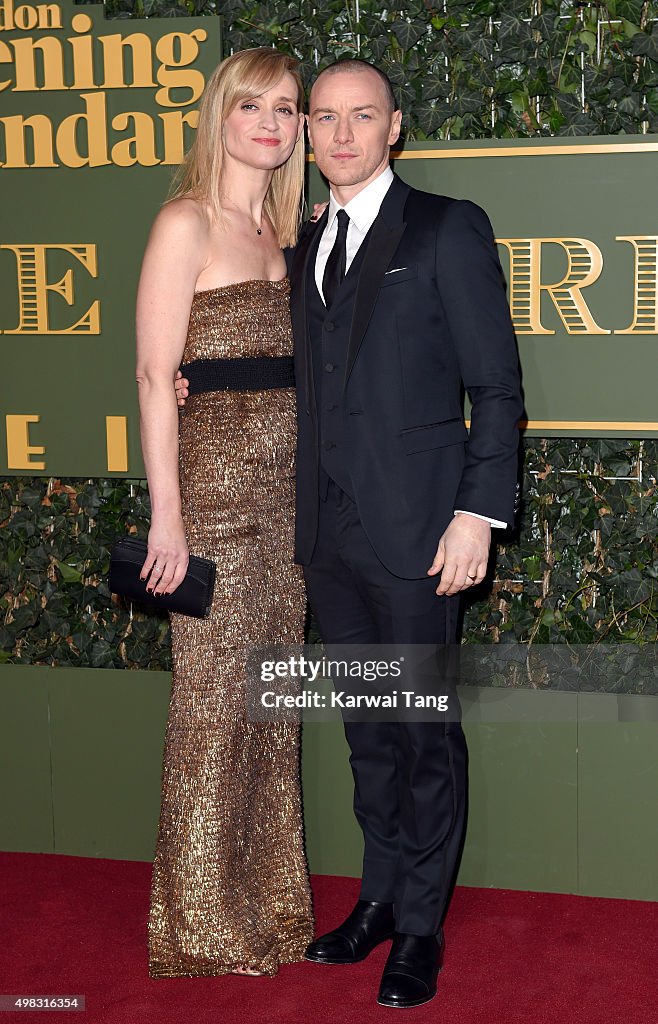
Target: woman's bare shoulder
(182,218)
(178,245)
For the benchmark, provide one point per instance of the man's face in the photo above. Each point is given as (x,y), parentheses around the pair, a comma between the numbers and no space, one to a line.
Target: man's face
(351,127)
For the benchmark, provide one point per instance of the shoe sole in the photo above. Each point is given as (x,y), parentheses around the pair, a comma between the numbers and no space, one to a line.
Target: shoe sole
(408,1004)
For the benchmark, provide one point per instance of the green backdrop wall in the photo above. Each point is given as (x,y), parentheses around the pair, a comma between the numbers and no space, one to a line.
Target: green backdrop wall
(567,803)
(562,785)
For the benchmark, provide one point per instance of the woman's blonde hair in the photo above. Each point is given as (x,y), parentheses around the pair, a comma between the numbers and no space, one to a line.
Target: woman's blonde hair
(244,75)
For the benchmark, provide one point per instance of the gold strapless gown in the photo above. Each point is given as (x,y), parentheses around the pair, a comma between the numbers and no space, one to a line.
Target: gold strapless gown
(230,883)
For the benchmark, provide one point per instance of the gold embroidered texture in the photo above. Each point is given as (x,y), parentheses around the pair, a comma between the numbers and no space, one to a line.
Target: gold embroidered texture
(230,883)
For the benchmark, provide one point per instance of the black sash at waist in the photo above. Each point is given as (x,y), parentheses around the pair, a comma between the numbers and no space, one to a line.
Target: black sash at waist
(249,373)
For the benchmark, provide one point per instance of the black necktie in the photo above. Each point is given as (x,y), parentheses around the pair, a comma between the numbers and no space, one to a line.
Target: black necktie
(334,272)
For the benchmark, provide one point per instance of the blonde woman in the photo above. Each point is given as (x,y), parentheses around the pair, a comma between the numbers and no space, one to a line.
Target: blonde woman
(230,891)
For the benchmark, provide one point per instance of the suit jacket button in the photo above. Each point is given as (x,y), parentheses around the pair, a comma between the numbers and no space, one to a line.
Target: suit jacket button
(330,367)
(328,445)
(329,326)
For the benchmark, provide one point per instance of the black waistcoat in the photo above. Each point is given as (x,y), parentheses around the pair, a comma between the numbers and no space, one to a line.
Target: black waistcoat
(329,332)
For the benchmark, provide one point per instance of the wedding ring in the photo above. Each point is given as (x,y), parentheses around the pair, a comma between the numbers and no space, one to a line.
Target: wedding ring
(471,577)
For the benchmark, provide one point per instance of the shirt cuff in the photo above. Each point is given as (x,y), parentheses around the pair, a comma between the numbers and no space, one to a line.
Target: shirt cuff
(492,522)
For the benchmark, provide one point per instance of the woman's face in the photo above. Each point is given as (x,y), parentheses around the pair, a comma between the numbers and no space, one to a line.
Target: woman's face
(261,131)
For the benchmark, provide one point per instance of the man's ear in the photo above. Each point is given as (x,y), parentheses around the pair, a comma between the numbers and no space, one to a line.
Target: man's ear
(308,128)
(396,127)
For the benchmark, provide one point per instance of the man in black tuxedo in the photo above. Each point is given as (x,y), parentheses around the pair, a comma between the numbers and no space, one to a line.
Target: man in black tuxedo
(398,303)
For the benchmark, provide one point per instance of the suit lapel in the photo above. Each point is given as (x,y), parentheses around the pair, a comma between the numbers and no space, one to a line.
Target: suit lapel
(306,247)
(383,240)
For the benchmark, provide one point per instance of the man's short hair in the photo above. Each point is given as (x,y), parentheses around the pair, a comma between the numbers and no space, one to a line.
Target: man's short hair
(355,64)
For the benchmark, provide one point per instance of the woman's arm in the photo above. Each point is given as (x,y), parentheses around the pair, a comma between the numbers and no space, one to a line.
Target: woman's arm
(174,257)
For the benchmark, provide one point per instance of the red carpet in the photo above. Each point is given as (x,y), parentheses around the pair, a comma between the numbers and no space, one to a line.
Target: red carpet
(73,925)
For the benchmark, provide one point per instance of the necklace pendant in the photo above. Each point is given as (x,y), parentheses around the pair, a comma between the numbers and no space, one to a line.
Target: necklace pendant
(259,231)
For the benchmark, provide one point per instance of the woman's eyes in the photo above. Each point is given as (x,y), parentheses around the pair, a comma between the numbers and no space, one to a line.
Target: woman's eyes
(254,106)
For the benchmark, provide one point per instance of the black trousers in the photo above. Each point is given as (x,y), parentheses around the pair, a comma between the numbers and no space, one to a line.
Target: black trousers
(409,776)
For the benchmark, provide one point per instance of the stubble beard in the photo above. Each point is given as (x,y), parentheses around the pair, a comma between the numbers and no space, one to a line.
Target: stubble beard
(347,177)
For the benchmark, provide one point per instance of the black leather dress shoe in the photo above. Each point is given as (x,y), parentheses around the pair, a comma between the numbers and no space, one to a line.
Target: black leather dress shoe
(368,925)
(411,970)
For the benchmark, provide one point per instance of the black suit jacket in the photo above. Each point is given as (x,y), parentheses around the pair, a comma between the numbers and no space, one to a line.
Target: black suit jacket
(430,318)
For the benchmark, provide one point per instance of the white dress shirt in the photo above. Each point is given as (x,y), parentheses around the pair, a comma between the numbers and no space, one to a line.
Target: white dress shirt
(362,211)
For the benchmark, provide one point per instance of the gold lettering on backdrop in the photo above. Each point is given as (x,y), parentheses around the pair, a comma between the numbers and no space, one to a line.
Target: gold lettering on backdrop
(89,63)
(645,306)
(41,131)
(114,63)
(19,449)
(173,71)
(116,433)
(140,147)
(5,58)
(26,17)
(175,53)
(173,121)
(25,51)
(33,289)
(584,266)
(83,53)
(94,123)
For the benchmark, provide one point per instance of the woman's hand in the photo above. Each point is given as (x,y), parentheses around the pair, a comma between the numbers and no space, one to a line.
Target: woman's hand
(168,556)
(318,210)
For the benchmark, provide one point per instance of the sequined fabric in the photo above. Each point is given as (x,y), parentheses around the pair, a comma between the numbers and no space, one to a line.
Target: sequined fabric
(230,884)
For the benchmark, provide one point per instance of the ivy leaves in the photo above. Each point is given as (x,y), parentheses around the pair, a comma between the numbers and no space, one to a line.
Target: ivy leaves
(646,45)
(582,568)
(55,603)
(467,70)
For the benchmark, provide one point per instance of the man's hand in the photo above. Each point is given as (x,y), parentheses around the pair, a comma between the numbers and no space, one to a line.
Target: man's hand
(181,385)
(462,554)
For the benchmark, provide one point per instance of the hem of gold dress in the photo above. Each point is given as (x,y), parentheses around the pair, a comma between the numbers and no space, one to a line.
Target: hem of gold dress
(159,970)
